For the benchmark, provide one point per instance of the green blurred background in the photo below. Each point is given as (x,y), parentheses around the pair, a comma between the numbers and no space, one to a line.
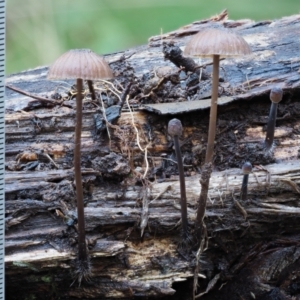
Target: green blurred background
(38,31)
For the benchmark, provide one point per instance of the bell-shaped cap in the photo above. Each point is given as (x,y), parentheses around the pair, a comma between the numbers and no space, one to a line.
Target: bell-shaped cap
(276,94)
(209,42)
(80,64)
(247,168)
(174,127)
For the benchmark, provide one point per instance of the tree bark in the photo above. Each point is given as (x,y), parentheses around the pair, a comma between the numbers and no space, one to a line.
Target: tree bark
(130,176)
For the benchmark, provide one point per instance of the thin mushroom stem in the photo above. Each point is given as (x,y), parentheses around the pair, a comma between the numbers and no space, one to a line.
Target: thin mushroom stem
(82,250)
(244,189)
(91,88)
(247,168)
(275,96)
(174,130)
(207,169)
(213,110)
(182,187)
(271,126)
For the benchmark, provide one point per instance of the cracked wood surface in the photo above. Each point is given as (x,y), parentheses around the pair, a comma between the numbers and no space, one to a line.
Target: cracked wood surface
(245,238)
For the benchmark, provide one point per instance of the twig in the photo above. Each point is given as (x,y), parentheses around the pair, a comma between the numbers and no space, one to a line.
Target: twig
(42,99)
(161,193)
(51,160)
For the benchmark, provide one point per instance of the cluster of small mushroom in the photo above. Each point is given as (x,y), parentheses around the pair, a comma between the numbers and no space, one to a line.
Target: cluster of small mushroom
(86,65)
(218,43)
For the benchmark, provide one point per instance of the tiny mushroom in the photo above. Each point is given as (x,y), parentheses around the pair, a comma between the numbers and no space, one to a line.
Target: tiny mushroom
(275,96)
(175,130)
(215,43)
(246,169)
(80,64)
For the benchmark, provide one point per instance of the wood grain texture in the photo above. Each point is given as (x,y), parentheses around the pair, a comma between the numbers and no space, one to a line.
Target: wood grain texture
(245,237)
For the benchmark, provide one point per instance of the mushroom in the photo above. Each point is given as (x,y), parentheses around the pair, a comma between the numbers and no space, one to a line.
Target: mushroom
(275,96)
(175,130)
(216,43)
(246,169)
(80,64)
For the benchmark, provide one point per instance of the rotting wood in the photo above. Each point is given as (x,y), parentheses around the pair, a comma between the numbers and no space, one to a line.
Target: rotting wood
(184,107)
(282,177)
(41,225)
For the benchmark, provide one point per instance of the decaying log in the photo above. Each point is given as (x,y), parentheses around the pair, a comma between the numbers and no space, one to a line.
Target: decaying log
(131,183)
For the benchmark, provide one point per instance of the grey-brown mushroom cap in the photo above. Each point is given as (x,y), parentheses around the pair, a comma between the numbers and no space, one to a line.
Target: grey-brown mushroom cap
(82,64)
(209,42)
(175,127)
(247,168)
